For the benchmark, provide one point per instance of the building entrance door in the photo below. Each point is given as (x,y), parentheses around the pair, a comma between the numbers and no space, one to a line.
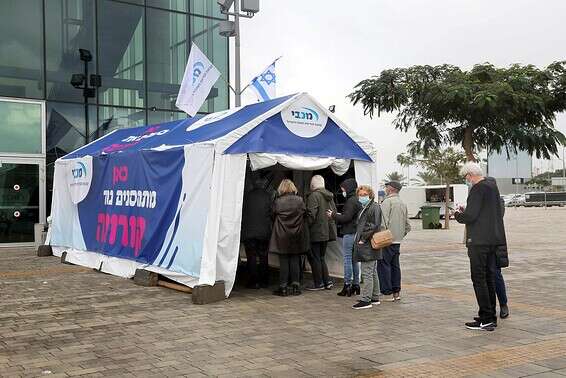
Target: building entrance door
(22,199)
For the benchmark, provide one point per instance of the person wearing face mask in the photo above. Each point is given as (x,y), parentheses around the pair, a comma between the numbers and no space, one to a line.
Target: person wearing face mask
(396,220)
(347,219)
(369,222)
(485,233)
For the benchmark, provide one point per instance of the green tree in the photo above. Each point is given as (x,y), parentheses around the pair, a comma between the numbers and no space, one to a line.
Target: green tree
(444,164)
(395,176)
(486,107)
(426,178)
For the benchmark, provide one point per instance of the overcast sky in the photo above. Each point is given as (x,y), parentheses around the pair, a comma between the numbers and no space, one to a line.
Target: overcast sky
(328,46)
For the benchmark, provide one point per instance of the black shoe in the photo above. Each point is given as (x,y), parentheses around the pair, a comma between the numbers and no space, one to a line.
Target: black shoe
(329,285)
(376,301)
(346,290)
(503,311)
(362,305)
(282,292)
(356,289)
(315,288)
(477,319)
(296,290)
(479,326)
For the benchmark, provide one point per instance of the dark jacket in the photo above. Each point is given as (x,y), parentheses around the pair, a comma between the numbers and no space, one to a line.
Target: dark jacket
(349,216)
(256,215)
(320,227)
(483,215)
(369,222)
(289,235)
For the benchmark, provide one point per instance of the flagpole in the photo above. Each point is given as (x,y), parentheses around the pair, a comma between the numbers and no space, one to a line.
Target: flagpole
(237,91)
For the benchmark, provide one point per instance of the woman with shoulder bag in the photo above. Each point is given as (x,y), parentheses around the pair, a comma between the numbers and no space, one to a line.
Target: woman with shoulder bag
(369,222)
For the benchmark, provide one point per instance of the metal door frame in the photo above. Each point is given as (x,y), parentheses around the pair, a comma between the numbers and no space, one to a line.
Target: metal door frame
(32,159)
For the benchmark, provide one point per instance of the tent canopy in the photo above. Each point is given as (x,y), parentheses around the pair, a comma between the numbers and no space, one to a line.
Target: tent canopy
(293,125)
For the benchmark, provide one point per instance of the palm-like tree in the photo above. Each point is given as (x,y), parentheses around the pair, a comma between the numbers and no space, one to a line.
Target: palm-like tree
(426,178)
(395,176)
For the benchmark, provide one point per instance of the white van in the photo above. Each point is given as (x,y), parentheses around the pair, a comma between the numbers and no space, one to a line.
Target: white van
(416,197)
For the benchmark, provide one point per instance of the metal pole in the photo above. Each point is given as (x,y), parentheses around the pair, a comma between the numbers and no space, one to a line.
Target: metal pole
(238,91)
(85,95)
(563,168)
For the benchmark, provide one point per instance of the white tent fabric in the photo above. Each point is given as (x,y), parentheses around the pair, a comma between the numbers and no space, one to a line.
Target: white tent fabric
(193,175)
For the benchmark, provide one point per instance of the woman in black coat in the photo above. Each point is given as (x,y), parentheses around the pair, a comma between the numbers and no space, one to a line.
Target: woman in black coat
(289,237)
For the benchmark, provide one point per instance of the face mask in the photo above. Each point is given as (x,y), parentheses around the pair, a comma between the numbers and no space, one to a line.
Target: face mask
(469,183)
(344,194)
(363,200)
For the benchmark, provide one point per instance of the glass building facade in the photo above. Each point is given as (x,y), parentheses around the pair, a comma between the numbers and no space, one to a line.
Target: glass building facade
(139,48)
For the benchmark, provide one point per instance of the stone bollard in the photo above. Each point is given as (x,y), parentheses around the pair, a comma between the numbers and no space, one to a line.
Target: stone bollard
(204,294)
(44,250)
(145,278)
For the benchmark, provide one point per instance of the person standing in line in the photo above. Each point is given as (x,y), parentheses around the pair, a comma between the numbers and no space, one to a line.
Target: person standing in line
(397,221)
(500,290)
(485,233)
(256,231)
(348,219)
(369,222)
(321,231)
(289,238)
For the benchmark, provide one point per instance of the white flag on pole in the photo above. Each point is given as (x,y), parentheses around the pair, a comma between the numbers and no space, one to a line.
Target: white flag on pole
(264,84)
(200,75)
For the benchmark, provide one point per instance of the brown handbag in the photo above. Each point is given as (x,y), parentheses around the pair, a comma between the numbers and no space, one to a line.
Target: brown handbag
(383,238)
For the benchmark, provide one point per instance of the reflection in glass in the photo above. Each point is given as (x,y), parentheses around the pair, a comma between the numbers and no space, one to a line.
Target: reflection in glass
(204,32)
(21,48)
(121,53)
(20,129)
(161,117)
(119,118)
(206,8)
(167,54)
(19,202)
(71,26)
(176,5)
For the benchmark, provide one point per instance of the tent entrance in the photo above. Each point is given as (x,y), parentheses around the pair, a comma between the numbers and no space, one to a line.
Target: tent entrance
(271,177)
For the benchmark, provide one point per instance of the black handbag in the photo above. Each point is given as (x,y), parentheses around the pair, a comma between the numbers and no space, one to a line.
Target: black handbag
(501,256)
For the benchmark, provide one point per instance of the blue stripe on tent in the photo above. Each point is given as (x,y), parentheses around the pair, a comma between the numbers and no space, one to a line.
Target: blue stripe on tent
(260,90)
(175,228)
(272,136)
(173,257)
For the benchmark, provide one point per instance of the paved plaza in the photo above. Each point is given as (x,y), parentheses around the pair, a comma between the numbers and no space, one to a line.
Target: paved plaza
(61,320)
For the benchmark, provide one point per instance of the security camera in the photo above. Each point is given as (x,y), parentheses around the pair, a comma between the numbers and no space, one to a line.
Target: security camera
(86,56)
(78,80)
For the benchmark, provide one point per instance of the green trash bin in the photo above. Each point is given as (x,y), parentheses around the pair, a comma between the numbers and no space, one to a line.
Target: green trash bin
(431,217)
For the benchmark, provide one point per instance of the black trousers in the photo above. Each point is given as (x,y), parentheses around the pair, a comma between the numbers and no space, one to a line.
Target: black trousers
(482,267)
(289,269)
(318,265)
(257,250)
(389,270)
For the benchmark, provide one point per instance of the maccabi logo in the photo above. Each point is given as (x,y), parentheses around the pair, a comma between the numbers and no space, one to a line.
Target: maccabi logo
(79,171)
(198,68)
(306,114)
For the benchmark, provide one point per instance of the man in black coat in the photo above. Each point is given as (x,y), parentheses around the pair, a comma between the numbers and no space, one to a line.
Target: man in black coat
(485,232)
(256,232)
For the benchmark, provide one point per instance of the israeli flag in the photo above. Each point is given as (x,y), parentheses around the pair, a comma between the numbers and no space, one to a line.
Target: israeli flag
(200,75)
(264,84)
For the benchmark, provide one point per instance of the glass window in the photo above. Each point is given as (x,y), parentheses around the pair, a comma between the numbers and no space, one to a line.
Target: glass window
(204,32)
(155,117)
(207,8)
(167,54)
(21,48)
(71,27)
(121,54)
(119,118)
(176,5)
(20,129)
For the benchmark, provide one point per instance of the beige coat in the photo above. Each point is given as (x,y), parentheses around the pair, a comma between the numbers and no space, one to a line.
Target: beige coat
(395,216)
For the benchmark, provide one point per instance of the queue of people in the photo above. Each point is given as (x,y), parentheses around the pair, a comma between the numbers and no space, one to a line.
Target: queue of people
(292,228)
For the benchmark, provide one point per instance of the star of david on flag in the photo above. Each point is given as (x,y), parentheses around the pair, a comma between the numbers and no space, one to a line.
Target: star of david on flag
(264,84)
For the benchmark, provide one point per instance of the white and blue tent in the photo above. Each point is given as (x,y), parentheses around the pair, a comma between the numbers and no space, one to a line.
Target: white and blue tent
(168,197)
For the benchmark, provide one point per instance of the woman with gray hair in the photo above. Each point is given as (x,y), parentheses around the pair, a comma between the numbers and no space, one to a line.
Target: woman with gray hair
(321,230)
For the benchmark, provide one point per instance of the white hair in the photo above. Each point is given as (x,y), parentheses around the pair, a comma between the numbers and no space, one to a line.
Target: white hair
(471,168)
(317,182)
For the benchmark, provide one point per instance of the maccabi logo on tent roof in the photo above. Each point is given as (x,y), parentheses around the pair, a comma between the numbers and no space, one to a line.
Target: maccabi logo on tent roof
(132,140)
(198,67)
(304,119)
